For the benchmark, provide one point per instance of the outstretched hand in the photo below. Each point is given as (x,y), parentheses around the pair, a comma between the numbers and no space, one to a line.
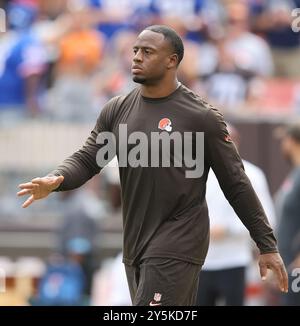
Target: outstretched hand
(39,188)
(274,262)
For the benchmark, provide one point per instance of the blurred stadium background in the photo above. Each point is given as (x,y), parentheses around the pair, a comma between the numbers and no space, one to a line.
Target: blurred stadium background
(60,60)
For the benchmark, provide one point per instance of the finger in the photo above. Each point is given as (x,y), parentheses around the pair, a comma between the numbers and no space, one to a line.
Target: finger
(263,271)
(279,276)
(27,185)
(32,187)
(37,180)
(285,279)
(28,202)
(24,192)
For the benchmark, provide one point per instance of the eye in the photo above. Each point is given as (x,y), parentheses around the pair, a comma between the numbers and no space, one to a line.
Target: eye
(147,51)
(135,51)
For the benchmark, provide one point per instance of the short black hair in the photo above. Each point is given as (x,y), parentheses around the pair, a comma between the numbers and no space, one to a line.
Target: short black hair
(171,35)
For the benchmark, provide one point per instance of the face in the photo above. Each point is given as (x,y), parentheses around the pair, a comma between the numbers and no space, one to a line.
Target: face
(152,59)
(238,16)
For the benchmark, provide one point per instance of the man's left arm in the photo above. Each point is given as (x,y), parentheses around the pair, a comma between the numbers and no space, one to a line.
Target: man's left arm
(221,155)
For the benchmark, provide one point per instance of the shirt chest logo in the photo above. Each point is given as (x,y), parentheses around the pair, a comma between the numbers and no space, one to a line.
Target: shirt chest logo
(165,124)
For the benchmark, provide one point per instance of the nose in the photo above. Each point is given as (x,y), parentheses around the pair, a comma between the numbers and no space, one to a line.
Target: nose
(138,56)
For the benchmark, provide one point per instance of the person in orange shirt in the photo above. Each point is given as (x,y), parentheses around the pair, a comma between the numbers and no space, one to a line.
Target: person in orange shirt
(82,48)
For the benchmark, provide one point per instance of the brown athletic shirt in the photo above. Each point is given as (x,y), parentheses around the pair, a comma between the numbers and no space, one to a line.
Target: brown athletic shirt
(164,213)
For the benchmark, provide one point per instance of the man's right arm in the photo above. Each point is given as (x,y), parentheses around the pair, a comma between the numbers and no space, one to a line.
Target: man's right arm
(82,165)
(75,170)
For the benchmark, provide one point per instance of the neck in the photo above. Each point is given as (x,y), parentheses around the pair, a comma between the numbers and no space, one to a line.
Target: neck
(162,89)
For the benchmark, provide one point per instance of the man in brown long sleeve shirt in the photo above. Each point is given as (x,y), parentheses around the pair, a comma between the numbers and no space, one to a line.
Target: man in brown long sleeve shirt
(165,217)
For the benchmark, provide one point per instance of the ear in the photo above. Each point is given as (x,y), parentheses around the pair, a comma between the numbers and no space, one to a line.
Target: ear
(172,61)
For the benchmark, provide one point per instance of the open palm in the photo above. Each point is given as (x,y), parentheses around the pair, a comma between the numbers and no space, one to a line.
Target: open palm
(39,188)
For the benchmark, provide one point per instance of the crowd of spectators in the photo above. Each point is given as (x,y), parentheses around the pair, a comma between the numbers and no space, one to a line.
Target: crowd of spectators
(63,59)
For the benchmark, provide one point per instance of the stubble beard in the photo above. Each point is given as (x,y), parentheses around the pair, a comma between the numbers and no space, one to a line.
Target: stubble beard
(139,80)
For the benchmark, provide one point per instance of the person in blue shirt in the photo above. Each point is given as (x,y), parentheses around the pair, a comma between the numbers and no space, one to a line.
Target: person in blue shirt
(22,64)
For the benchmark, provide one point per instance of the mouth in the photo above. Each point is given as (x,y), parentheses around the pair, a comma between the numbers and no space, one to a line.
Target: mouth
(136,69)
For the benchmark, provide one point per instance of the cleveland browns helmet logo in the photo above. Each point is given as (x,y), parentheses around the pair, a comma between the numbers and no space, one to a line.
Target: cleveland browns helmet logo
(165,124)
